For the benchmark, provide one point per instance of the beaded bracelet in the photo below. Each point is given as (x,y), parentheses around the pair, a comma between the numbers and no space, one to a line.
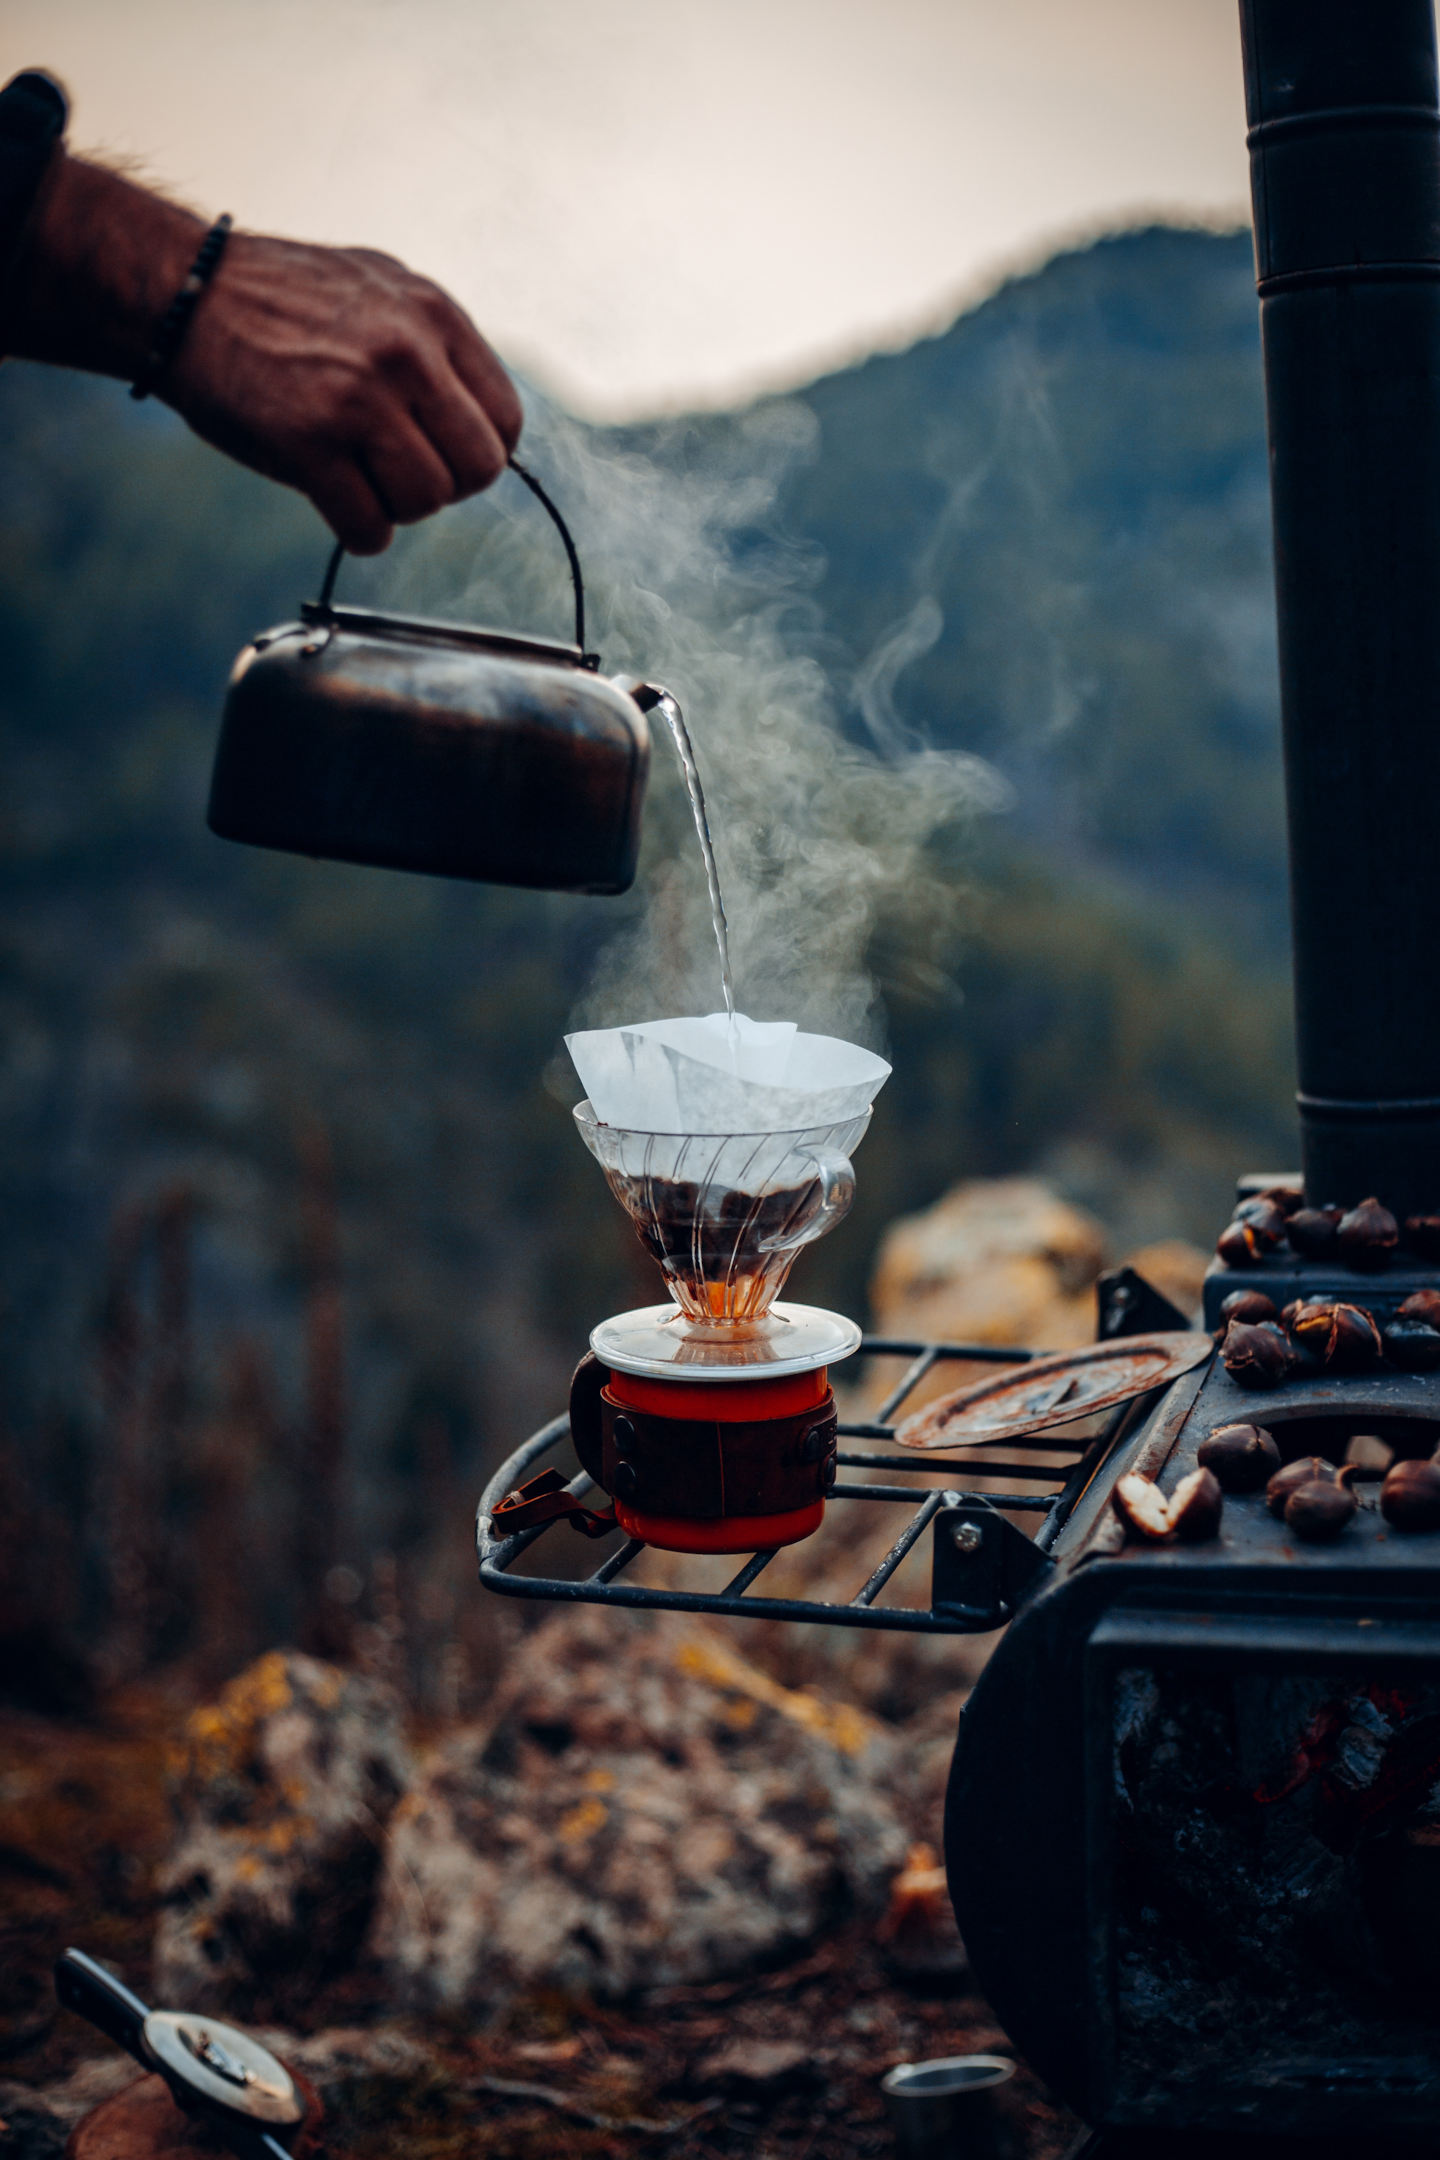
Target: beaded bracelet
(177,316)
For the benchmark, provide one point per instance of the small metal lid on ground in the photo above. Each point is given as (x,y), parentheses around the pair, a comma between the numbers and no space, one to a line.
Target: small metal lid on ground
(942,2110)
(224,2065)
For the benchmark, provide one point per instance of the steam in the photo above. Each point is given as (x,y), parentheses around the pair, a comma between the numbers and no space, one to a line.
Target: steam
(876,681)
(822,834)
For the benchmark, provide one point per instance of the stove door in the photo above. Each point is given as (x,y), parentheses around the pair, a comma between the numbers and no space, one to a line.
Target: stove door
(1263,1871)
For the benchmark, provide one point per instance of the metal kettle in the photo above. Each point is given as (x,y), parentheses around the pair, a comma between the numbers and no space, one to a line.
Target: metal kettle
(374,738)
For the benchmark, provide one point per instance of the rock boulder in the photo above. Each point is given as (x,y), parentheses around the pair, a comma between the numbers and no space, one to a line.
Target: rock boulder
(999,1260)
(281,1791)
(642,1809)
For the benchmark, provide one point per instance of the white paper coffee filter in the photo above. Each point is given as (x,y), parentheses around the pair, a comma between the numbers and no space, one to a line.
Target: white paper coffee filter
(718,1075)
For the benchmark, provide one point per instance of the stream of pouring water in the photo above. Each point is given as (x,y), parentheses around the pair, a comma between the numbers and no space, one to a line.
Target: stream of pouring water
(684,750)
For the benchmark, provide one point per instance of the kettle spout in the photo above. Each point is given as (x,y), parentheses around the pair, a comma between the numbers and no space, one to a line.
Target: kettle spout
(646,695)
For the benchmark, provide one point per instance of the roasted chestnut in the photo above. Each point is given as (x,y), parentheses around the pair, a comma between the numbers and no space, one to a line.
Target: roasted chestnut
(1142,1506)
(1410,1495)
(1256,1354)
(1320,1509)
(1309,1337)
(1258,1207)
(1246,1305)
(1309,1321)
(1367,1236)
(1354,1340)
(1242,1244)
(1422,1235)
(1421,1305)
(1196,1506)
(1344,1338)
(1256,1228)
(1192,1512)
(1243,1457)
(1307,1470)
(1412,1345)
(1313,1232)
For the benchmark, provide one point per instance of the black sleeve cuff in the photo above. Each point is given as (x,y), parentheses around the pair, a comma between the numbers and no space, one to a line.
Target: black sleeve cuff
(33,113)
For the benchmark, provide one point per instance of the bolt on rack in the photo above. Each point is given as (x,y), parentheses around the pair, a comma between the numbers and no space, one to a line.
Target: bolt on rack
(982,1564)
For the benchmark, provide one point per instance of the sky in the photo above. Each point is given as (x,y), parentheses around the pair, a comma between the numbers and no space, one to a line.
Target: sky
(651,205)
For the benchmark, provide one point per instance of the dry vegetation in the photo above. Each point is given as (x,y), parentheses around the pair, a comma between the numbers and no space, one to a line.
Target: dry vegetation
(786,2064)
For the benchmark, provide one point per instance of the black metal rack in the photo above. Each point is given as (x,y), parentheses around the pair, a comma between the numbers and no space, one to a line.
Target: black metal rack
(982,1564)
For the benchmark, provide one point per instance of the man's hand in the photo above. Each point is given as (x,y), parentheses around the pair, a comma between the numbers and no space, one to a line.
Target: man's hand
(341,372)
(336,370)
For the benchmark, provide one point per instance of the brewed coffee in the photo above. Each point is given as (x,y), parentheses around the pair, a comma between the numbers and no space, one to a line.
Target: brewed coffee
(724,1253)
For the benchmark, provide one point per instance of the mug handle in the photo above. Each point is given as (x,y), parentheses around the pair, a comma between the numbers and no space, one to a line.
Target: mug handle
(837,1190)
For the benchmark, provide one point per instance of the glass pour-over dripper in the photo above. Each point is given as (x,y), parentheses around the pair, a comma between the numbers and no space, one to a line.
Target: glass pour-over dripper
(724,1214)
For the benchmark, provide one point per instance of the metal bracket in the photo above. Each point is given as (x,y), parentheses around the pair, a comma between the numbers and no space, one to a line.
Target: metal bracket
(976,1590)
(983,1568)
(1128,1305)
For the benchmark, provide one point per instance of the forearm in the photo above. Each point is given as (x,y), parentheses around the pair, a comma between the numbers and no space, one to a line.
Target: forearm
(335,370)
(102,262)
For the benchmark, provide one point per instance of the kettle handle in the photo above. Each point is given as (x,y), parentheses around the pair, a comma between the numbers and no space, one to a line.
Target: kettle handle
(522,472)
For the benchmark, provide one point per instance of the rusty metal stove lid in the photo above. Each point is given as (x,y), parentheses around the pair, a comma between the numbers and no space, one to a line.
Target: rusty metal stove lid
(1054,1390)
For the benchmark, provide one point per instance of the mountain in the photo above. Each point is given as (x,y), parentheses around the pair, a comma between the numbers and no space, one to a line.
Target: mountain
(1045,537)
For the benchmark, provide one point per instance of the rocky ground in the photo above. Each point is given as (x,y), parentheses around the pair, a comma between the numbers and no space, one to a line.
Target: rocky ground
(784,2060)
(656,1887)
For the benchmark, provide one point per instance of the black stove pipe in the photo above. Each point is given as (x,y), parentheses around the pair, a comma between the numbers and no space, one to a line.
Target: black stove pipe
(1345,174)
